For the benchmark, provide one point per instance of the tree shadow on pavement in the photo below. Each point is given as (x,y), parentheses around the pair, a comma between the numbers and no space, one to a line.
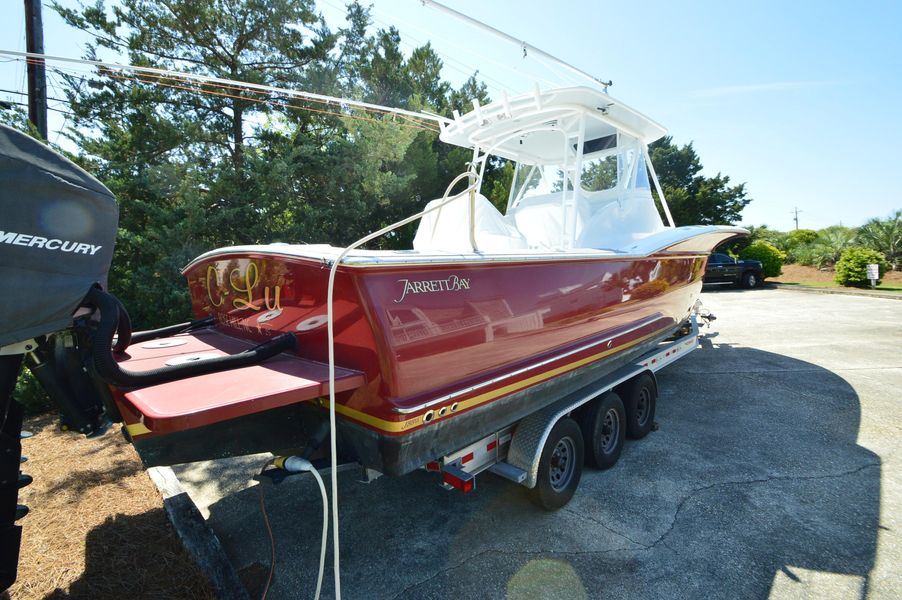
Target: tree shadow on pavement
(754,480)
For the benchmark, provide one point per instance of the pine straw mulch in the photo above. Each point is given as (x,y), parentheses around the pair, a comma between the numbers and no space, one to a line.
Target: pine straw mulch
(96,528)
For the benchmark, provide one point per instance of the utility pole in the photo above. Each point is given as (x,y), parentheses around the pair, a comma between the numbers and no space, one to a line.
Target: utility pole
(37,79)
(795,212)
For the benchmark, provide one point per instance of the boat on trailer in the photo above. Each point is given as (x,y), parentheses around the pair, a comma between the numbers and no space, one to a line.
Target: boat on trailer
(519,342)
(488,318)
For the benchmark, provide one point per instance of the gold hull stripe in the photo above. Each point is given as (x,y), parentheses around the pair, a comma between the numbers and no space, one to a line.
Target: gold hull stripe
(401,426)
(136,429)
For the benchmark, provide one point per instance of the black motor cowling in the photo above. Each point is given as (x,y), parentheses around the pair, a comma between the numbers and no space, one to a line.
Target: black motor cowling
(57,230)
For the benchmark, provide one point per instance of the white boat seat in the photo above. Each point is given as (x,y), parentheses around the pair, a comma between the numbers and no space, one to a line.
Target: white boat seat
(448,228)
(541,219)
(617,225)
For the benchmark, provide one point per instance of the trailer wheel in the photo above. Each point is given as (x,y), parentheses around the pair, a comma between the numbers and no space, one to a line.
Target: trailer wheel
(560,466)
(639,400)
(603,425)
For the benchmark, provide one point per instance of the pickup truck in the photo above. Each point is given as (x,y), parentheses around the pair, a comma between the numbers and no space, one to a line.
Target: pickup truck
(723,268)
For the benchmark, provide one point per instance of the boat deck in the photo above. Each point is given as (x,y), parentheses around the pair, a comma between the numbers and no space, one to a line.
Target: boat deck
(696,239)
(206,399)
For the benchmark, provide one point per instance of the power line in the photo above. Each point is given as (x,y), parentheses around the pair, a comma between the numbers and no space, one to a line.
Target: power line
(65,112)
(25,94)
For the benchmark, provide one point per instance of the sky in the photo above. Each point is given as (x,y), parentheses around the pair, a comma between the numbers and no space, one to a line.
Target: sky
(798,100)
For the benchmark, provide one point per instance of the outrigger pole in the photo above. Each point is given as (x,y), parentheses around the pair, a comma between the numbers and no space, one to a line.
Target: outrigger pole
(33,56)
(527,48)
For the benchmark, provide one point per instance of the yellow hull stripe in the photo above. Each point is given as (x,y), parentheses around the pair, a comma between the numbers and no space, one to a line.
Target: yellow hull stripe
(136,429)
(401,426)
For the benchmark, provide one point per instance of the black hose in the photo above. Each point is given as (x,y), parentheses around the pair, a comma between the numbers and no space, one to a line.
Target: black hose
(152,334)
(316,439)
(123,327)
(109,369)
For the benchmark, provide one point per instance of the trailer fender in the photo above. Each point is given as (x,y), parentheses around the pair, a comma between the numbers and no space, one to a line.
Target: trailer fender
(532,432)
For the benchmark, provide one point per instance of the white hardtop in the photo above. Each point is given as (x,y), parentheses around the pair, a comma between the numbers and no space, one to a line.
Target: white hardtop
(527,127)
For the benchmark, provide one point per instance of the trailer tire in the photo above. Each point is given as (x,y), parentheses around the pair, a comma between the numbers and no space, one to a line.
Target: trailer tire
(560,466)
(603,424)
(639,399)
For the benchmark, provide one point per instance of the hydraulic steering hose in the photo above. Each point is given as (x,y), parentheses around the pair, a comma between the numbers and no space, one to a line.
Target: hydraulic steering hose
(107,367)
(126,337)
(152,334)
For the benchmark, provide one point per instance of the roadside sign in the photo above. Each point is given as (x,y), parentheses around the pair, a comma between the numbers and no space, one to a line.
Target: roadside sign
(873,274)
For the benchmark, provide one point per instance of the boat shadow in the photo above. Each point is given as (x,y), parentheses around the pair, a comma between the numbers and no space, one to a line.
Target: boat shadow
(753,482)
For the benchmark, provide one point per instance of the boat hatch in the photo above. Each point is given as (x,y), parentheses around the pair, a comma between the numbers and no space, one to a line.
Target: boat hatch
(206,399)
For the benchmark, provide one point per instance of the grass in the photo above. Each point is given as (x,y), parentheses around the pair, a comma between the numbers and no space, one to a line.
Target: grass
(800,275)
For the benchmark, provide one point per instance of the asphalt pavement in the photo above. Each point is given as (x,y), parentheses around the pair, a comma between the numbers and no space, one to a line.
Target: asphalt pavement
(774,473)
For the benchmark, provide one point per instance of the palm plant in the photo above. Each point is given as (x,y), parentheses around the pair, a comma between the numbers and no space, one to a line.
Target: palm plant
(884,235)
(826,249)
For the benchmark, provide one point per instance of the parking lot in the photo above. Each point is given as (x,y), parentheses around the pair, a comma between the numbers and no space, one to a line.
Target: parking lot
(774,474)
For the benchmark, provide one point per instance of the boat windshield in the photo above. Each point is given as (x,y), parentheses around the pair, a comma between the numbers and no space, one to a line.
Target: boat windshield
(619,167)
(606,205)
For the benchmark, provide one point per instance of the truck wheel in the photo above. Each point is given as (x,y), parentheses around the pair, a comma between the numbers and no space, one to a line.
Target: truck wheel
(750,280)
(604,424)
(640,400)
(560,466)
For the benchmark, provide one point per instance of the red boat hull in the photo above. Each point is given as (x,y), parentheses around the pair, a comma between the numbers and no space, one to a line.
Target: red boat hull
(442,353)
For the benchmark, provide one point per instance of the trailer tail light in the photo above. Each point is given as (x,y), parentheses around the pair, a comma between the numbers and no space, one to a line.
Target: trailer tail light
(457,478)
(459,484)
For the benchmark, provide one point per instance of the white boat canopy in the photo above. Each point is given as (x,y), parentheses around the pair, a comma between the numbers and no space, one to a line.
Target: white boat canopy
(580,180)
(527,128)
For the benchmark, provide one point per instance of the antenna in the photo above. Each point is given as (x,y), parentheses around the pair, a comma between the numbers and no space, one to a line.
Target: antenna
(524,46)
(795,212)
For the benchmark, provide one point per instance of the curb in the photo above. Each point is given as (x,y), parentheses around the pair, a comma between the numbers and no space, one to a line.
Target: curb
(849,292)
(197,537)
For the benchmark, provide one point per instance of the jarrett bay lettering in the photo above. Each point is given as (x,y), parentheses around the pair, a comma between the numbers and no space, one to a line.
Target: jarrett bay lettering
(451,284)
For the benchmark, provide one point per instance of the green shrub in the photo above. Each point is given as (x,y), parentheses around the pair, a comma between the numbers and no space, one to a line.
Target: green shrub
(800,237)
(30,394)
(798,246)
(852,266)
(770,256)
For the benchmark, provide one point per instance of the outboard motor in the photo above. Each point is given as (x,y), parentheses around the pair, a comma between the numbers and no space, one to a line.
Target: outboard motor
(57,230)
(58,226)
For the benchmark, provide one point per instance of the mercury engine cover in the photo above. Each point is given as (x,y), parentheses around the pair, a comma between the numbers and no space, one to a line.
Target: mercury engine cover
(57,230)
